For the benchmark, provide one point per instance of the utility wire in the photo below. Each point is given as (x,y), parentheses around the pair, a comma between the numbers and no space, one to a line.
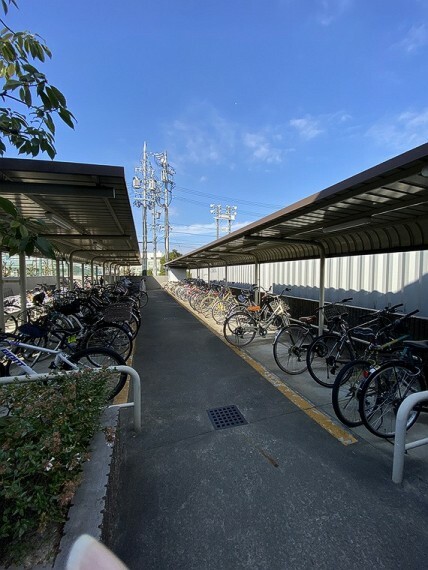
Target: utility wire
(205,205)
(228,198)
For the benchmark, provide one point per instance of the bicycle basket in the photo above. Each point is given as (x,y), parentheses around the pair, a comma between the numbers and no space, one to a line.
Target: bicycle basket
(331,311)
(32,331)
(67,308)
(117,312)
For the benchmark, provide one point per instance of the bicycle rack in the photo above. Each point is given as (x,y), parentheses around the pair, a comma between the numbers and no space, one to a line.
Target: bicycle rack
(400,445)
(136,404)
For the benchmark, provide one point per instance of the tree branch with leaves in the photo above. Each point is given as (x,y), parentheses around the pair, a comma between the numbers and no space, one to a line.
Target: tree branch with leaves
(31,102)
(21,235)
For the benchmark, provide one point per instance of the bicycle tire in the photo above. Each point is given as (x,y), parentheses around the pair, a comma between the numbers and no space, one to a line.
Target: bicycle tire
(324,361)
(219,311)
(290,347)
(345,395)
(239,329)
(10,324)
(98,357)
(144,299)
(382,394)
(111,335)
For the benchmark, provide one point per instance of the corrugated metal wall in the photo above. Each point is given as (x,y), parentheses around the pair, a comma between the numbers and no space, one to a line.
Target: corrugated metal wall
(372,280)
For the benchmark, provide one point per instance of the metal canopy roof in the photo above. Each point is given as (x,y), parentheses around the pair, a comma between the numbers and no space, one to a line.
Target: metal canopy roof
(85,207)
(383,209)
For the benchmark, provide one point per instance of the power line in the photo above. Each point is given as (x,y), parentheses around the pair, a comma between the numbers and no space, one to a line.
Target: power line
(228,198)
(204,204)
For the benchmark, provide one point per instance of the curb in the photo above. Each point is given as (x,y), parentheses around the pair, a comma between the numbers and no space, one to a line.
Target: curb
(86,513)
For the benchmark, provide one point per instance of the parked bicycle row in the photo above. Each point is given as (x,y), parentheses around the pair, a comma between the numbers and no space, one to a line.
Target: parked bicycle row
(84,327)
(370,367)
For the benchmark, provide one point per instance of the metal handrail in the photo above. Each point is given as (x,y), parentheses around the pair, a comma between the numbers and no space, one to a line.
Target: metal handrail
(400,445)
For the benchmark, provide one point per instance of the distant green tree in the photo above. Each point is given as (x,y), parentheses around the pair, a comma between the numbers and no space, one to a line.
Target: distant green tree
(27,120)
(172,255)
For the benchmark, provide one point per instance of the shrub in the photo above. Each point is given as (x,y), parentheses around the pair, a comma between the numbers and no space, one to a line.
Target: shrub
(44,435)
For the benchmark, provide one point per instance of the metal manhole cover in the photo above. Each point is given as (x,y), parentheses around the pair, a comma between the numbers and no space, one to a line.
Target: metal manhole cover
(226,417)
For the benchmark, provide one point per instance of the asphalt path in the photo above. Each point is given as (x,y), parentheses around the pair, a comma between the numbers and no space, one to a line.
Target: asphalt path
(281,491)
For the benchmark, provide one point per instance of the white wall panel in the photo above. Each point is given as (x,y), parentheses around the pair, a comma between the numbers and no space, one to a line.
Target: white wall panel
(372,280)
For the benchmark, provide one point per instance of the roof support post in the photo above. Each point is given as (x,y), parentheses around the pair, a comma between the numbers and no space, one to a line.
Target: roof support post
(58,273)
(23,283)
(71,285)
(83,275)
(71,272)
(225,276)
(257,282)
(209,275)
(322,292)
(1,294)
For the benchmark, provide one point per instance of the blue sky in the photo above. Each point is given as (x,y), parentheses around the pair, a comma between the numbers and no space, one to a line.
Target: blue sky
(259,103)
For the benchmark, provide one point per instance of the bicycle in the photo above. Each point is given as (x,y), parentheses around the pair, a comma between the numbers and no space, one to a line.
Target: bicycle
(15,364)
(291,344)
(332,350)
(347,386)
(240,328)
(387,386)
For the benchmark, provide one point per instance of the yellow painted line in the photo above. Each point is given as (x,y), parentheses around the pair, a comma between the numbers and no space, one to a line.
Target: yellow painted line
(322,419)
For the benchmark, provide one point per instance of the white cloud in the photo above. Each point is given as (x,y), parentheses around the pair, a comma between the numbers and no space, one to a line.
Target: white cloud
(202,136)
(261,148)
(195,229)
(415,38)
(331,10)
(406,130)
(308,128)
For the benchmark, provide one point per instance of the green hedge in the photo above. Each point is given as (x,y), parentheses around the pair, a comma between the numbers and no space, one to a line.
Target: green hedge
(45,429)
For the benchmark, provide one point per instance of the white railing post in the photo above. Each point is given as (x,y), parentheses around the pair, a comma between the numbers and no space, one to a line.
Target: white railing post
(400,445)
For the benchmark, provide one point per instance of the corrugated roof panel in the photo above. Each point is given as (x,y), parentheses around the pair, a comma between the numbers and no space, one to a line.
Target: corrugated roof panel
(382,209)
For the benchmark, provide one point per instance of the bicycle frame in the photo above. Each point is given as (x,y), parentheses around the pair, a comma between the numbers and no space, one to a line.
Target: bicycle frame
(265,315)
(59,355)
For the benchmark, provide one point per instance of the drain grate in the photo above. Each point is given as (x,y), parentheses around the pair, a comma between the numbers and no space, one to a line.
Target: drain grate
(226,417)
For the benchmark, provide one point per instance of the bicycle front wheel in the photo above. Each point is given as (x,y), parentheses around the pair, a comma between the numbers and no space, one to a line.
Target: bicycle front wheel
(239,329)
(382,394)
(290,348)
(326,355)
(10,324)
(144,299)
(97,357)
(112,336)
(346,391)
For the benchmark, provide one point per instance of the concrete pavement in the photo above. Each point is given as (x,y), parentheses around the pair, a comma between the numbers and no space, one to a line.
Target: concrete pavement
(279,492)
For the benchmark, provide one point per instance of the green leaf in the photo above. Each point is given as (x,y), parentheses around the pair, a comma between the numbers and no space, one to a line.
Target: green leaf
(23,230)
(11,84)
(60,97)
(8,207)
(50,124)
(45,247)
(66,117)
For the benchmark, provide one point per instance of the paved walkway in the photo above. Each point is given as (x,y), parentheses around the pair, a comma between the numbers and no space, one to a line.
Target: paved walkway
(280,492)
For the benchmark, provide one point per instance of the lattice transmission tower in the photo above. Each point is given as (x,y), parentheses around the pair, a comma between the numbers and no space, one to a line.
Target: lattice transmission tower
(153,189)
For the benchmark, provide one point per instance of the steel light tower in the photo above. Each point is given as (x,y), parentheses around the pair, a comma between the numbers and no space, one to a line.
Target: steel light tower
(229,214)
